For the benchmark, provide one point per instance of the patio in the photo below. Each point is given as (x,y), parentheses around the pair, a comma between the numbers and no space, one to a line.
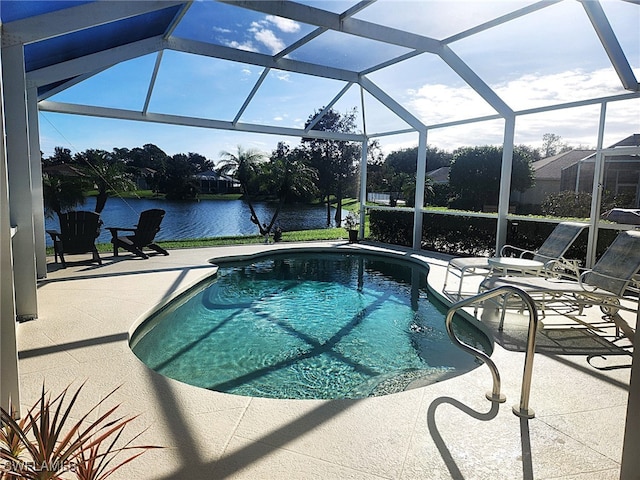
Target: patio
(446,430)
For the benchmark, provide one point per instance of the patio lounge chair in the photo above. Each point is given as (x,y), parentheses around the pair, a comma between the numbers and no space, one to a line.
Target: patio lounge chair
(143,234)
(78,232)
(610,281)
(551,254)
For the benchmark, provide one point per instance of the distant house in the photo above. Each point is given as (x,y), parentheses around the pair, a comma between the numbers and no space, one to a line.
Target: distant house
(143,178)
(439,175)
(621,173)
(213,182)
(573,171)
(548,173)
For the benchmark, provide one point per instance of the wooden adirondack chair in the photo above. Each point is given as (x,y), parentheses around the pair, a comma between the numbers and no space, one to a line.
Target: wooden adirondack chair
(78,233)
(143,234)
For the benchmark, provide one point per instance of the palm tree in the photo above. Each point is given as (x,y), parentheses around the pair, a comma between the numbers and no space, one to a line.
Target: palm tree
(61,193)
(290,176)
(244,166)
(286,175)
(106,174)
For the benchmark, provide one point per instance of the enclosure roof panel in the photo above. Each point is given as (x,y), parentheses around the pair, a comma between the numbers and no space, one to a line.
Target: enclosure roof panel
(227,61)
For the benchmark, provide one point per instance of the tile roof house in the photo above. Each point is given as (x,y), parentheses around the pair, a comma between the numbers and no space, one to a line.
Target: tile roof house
(573,171)
(213,182)
(548,172)
(439,175)
(621,173)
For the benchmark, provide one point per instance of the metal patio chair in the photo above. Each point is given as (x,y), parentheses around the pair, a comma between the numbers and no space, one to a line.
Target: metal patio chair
(551,254)
(611,284)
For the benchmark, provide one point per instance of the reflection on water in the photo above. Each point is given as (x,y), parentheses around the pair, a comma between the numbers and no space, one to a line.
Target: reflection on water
(318,325)
(208,218)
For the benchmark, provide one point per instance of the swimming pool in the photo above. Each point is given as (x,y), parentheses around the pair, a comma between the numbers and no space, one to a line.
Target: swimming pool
(307,325)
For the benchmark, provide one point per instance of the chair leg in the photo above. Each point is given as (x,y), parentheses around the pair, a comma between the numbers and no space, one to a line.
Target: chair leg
(157,248)
(62,262)
(96,257)
(138,251)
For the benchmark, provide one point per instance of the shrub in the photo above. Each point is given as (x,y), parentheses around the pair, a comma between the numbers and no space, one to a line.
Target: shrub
(472,236)
(48,442)
(567,204)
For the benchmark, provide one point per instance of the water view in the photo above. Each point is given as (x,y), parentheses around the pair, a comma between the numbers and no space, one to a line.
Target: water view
(204,219)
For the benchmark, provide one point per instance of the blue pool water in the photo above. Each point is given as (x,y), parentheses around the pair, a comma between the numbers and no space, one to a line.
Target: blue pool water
(313,325)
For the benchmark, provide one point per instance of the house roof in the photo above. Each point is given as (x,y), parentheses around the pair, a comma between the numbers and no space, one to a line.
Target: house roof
(551,167)
(439,175)
(212,175)
(630,141)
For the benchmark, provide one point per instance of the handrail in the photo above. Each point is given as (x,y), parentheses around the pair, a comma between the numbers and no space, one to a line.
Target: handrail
(521,410)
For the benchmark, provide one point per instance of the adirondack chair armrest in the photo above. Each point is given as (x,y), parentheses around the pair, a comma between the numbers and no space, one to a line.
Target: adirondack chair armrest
(54,234)
(114,230)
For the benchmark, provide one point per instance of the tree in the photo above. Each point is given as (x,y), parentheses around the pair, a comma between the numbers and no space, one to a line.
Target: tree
(552,144)
(406,159)
(286,176)
(245,166)
(61,193)
(60,156)
(178,182)
(105,173)
(409,190)
(474,177)
(199,162)
(289,176)
(335,161)
(400,168)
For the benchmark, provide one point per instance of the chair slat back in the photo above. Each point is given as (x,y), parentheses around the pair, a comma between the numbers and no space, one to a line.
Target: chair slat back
(621,260)
(78,231)
(559,241)
(148,226)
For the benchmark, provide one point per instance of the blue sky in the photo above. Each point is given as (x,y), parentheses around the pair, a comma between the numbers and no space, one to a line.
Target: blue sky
(548,57)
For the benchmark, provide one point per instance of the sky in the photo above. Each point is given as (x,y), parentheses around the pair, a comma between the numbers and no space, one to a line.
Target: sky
(548,57)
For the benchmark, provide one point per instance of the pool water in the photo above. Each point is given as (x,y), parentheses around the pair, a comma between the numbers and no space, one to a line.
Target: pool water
(307,326)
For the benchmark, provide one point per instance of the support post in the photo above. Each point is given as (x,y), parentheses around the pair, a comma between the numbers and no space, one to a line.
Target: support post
(363,187)
(19,176)
(9,380)
(630,458)
(505,181)
(419,198)
(36,183)
(596,192)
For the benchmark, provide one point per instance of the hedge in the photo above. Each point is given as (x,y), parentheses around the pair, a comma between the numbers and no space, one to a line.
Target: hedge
(471,235)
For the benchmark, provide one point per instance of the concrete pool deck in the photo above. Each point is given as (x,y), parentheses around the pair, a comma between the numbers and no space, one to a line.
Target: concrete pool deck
(444,430)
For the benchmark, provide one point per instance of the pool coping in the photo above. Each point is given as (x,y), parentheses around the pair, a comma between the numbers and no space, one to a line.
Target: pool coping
(440,430)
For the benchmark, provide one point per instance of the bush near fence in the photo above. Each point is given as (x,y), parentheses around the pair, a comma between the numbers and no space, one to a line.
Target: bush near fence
(472,236)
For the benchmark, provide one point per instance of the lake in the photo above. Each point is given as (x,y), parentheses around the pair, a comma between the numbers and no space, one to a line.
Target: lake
(203,219)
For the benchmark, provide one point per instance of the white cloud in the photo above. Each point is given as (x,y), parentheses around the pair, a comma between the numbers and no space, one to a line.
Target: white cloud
(248,46)
(284,24)
(534,90)
(439,103)
(270,40)
(283,76)
(221,30)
